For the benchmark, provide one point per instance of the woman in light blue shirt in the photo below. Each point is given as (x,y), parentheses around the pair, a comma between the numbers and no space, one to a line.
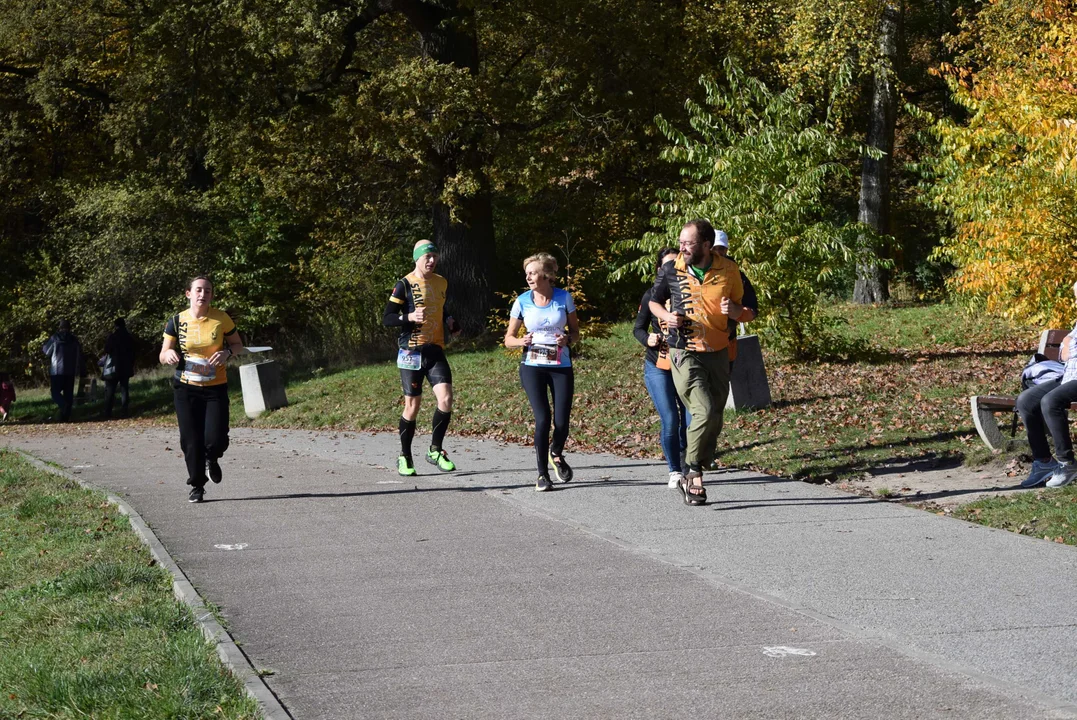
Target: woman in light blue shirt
(548,315)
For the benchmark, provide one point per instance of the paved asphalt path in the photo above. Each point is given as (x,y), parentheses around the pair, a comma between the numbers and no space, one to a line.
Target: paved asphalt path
(468,595)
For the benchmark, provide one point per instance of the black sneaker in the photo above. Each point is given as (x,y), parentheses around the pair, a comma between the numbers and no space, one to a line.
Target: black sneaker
(215,473)
(197,493)
(561,468)
(543,484)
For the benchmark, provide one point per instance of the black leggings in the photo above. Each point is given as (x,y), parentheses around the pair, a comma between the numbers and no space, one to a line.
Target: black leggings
(1045,408)
(561,384)
(202,413)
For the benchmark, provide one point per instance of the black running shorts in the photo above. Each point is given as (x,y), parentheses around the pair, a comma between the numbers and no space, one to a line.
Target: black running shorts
(433,367)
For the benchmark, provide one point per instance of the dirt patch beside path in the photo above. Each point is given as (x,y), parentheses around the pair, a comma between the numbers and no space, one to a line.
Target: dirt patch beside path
(943,484)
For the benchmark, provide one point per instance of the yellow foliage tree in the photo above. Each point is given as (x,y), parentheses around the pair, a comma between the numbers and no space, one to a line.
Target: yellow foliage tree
(1008,175)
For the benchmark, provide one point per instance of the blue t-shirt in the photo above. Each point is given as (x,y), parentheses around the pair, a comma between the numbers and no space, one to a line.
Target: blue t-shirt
(544,324)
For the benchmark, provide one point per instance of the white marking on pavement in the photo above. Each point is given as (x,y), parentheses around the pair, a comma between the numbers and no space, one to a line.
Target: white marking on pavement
(781,651)
(390,482)
(79,467)
(237,546)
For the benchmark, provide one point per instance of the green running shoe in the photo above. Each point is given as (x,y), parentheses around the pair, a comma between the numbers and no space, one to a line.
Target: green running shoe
(561,468)
(441,459)
(404,466)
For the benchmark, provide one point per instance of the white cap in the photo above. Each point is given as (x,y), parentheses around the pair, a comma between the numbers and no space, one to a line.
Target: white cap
(721,239)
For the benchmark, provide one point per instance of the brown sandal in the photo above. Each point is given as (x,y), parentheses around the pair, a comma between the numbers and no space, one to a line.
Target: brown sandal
(693,494)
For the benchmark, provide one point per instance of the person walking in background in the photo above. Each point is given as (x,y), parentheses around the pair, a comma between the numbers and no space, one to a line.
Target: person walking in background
(548,315)
(749,311)
(704,290)
(65,362)
(118,366)
(7,395)
(651,333)
(417,306)
(199,341)
(750,303)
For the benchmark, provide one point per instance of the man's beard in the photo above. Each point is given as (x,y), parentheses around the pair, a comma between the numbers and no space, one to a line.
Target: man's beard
(695,257)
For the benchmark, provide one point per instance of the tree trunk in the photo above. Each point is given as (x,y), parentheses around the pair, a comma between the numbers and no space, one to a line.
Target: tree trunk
(466,254)
(871,279)
(467,245)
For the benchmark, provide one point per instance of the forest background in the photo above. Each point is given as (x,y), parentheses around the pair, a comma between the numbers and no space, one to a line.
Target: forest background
(295,149)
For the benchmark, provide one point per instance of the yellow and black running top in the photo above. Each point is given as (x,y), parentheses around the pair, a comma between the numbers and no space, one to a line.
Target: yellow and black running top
(413,292)
(196,341)
(699,300)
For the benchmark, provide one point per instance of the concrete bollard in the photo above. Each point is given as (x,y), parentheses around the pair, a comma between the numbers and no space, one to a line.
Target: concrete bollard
(748,386)
(262,387)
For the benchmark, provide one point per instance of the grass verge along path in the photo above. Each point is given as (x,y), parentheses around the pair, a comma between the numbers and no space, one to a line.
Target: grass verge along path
(88,623)
(902,399)
(1050,514)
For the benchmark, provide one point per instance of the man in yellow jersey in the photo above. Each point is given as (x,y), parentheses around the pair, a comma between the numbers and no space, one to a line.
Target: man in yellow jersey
(705,290)
(417,307)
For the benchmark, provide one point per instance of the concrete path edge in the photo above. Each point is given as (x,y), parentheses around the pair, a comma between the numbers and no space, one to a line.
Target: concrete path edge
(231,655)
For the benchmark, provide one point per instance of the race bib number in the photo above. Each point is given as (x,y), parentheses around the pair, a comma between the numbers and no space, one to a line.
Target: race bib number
(198,370)
(409,359)
(543,355)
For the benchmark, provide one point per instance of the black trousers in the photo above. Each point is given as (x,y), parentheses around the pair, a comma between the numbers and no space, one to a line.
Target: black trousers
(561,383)
(63,394)
(1045,408)
(110,395)
(202,413)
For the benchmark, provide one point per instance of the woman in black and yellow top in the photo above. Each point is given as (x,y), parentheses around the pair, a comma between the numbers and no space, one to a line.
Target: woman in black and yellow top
(198,341)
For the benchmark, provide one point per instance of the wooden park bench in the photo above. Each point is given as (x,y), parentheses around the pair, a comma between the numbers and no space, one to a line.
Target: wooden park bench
(984,407)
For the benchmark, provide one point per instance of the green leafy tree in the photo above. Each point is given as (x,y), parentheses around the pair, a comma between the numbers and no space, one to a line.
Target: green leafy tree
(757,164)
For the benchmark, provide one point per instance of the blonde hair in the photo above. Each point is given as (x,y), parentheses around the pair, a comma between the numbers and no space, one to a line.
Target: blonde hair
(549,264)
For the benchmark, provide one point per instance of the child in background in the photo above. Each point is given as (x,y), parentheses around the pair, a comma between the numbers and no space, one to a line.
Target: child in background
(7,395)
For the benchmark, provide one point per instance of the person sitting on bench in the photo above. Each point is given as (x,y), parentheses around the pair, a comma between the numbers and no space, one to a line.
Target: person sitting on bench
(1045,408)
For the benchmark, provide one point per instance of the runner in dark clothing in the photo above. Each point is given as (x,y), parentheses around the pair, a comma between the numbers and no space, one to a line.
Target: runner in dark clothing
(417,307)
(199,341)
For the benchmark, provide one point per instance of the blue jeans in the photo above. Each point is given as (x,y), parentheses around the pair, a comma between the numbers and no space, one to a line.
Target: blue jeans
(671,411)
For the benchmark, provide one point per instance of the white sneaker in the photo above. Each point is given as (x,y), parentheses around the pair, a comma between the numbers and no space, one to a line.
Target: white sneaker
(675,478)
(1063,475)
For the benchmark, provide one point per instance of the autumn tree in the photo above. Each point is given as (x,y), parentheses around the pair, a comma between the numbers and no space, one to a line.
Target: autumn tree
(1007,176)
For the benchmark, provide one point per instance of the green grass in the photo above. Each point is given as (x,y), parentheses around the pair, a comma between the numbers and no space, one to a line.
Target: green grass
(908,399)
(88,623)
(829,421)
(904,399)
(151,397)
(1047,514)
